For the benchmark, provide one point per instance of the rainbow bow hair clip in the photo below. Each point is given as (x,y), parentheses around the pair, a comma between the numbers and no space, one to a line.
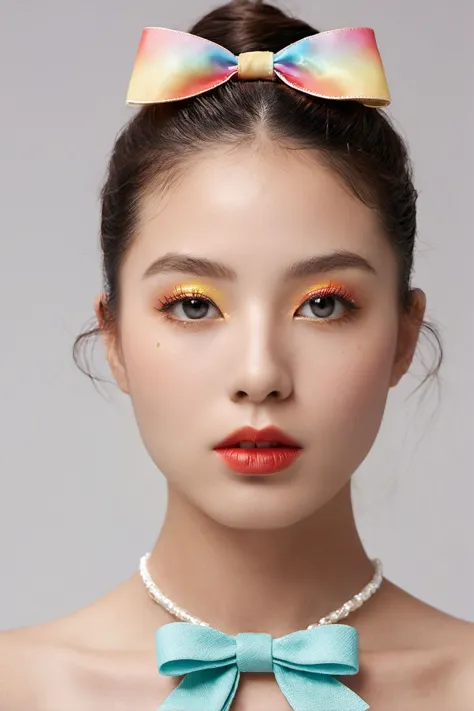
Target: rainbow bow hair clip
(343,64)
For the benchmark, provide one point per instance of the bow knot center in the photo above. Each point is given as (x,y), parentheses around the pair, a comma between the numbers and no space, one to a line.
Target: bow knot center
(256,65)
(254,652)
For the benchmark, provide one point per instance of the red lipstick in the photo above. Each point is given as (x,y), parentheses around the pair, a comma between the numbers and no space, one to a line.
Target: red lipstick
(281,451)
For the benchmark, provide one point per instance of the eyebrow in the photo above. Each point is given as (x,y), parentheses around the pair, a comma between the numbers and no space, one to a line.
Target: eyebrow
(203,267)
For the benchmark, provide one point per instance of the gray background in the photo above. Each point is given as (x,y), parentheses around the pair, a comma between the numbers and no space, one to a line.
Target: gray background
(80,498)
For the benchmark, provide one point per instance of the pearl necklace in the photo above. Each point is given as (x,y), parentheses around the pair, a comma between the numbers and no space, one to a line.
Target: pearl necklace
(355,602)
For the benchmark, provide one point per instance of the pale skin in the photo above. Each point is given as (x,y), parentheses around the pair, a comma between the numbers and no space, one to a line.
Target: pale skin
(278,552)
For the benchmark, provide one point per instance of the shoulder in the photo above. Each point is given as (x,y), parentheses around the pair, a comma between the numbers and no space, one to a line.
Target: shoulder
(450,675)
(27,659)
(452,671)
(461,682)
(17,669)
(421,652)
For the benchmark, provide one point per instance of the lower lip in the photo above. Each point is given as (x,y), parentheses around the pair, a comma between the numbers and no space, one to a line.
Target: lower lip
(258,461)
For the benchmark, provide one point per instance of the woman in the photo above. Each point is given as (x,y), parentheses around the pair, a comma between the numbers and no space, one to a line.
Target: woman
(258,248)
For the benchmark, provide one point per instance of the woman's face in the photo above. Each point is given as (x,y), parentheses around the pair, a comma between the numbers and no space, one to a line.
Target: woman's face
(259,346)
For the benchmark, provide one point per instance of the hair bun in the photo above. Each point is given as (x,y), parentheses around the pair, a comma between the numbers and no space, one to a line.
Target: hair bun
(246,26)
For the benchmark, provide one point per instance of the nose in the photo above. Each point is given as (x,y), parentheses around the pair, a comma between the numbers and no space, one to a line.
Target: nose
(260,365)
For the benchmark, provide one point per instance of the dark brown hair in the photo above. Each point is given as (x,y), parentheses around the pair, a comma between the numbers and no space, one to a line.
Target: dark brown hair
(357,142)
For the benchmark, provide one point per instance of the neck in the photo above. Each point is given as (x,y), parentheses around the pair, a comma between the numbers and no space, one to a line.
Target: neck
(275,581)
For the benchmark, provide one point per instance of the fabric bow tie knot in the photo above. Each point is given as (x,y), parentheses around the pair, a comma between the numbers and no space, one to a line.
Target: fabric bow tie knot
(338,64)
(304,664)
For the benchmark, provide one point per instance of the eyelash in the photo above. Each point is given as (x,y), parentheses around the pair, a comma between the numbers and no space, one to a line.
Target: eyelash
(336,291)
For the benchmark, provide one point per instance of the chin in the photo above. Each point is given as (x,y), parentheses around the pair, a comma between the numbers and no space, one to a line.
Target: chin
(260,504)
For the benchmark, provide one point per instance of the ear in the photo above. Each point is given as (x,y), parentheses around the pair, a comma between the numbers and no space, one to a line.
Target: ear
(408,333)
(111,344)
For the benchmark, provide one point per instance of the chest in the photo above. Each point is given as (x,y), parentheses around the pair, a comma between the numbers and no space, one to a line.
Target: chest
(399,690)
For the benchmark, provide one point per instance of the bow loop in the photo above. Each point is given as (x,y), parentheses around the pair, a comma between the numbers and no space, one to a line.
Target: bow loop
(182,648)
(339,64)
(303,663)
(328,649)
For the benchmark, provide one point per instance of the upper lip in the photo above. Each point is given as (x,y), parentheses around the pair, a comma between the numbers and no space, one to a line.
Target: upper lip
(250,434)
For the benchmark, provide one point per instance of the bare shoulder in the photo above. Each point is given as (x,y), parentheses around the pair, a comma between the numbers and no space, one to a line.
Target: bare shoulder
(27,658)
(453,653)
(449,674)
(418,650)
(462,677)
(16,682)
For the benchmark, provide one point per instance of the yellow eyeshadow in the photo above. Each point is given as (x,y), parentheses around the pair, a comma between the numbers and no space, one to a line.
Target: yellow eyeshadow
(203,290)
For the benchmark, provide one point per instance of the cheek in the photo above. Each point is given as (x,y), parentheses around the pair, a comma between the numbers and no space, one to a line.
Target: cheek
(349,382)
(364,386)
(167,384)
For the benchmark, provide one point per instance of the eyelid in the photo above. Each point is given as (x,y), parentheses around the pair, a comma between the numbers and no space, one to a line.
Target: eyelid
(188,289)
(331,287)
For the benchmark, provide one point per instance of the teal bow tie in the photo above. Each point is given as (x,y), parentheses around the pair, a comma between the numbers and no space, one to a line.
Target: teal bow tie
(303,663)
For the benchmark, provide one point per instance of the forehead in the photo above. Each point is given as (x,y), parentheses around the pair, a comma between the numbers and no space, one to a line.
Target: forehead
(263,202)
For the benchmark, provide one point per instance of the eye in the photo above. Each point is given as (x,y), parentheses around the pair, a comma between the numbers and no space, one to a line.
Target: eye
(189,307)
(194,308)
(331,304)
(322,306)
